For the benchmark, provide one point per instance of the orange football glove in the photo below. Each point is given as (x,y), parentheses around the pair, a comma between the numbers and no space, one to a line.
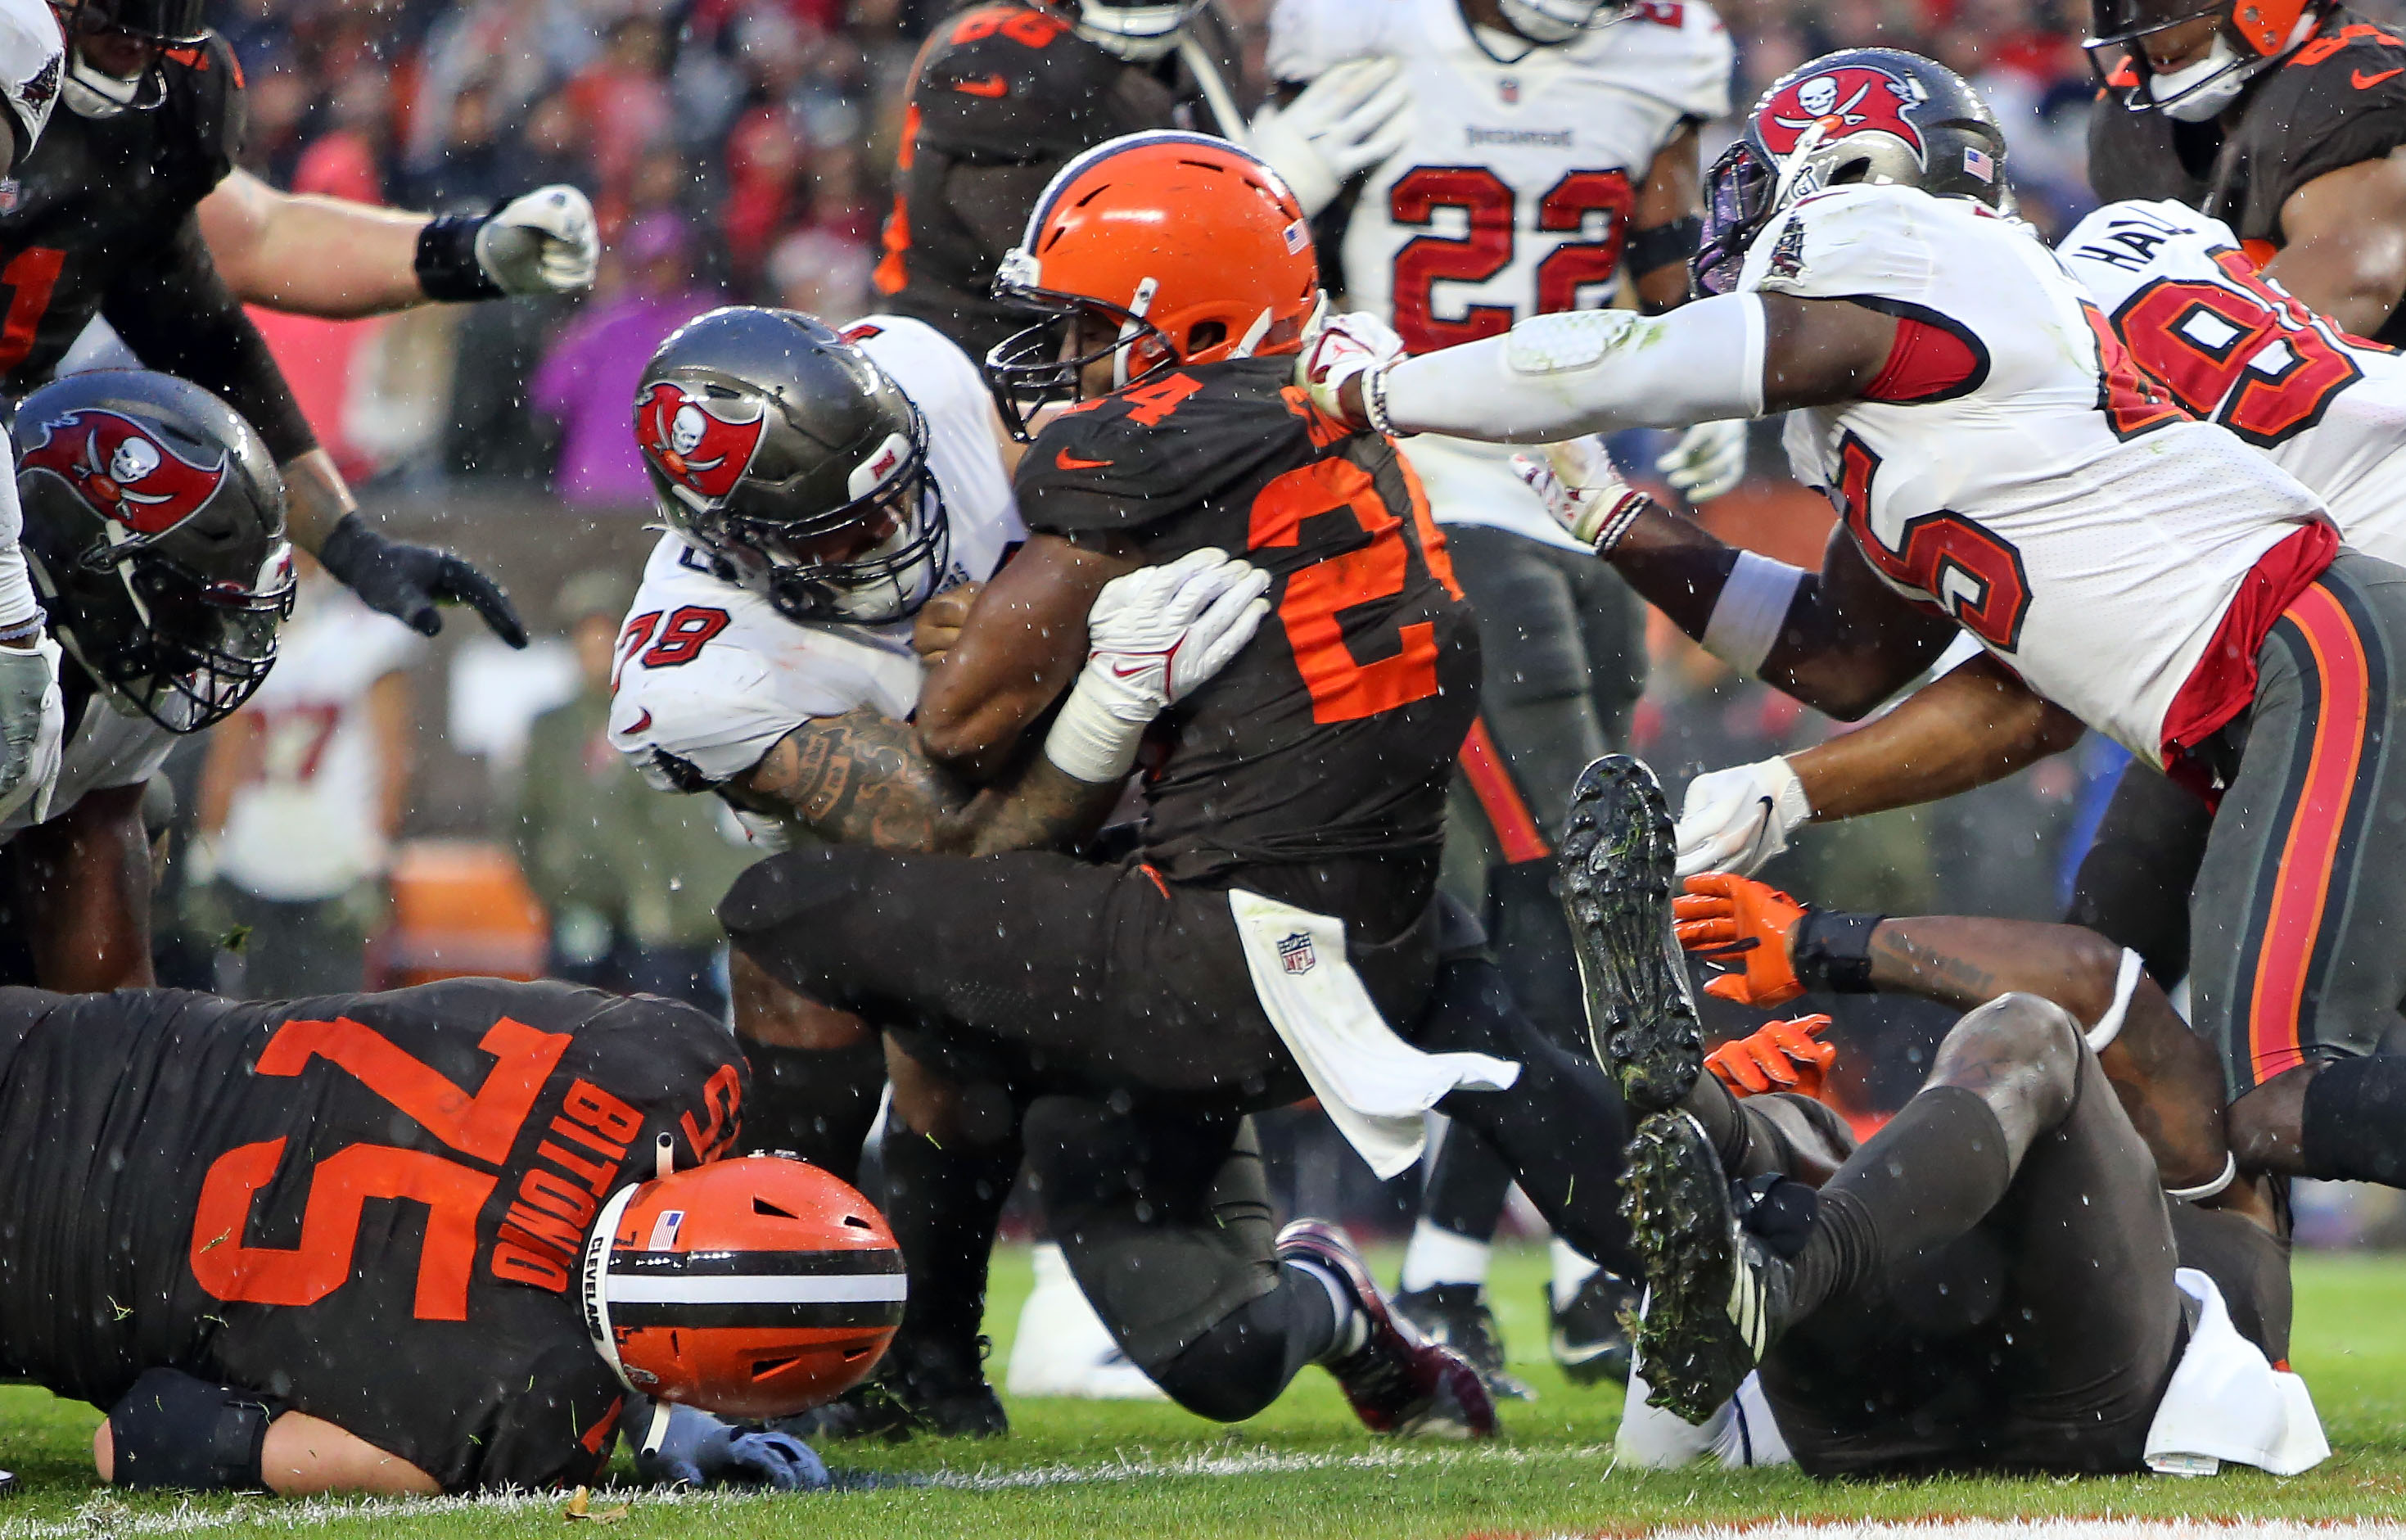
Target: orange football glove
(1740,925)
(1780,1056)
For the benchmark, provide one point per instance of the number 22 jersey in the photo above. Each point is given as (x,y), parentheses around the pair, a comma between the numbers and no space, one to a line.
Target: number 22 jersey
(2012,469)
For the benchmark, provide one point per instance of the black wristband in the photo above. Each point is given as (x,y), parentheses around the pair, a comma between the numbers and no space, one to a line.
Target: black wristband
(177,1432)
(1660,246)
(446,262)
(1831,951)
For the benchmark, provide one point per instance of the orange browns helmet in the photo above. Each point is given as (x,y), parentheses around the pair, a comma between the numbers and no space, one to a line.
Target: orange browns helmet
(1191,249)
(756,1287)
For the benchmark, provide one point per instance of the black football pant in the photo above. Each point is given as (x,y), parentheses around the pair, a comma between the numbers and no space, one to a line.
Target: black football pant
(1562,641)
(1979,1312)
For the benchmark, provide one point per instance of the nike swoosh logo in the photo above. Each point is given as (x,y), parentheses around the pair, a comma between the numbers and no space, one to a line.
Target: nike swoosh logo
(2362,82)
(1069,462)
(1119,672)
(641,723)
(988,86)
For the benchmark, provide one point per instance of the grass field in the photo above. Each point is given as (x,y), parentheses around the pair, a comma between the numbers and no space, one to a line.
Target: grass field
(1088,1470)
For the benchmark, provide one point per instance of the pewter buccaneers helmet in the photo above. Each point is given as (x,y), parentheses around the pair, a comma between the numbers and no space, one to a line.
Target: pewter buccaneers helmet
(756,1287)
(1859,115)
(768,437)
(154,530)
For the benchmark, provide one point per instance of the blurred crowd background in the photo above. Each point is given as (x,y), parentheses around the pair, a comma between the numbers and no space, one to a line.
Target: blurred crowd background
(741,150)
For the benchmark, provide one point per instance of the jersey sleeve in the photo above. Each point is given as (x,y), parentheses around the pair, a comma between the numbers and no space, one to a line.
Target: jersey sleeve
(205,85)
(1683,58)
(1848,243)
(1130,460)
(1308,37)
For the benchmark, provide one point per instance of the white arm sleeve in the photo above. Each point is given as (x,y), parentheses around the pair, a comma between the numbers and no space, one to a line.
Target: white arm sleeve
(19,612)
(1557,377)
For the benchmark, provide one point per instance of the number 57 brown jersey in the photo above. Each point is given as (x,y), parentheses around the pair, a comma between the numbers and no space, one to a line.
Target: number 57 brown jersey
(369,1206)
(1335,732)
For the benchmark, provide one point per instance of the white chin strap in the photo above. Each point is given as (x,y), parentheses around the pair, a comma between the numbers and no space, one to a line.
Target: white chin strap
(1129,331)
(2194,92)
(90,92)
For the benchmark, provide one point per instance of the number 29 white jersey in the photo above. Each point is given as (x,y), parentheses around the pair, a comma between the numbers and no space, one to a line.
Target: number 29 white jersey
(2237,348)
(1514,194)
(709,675)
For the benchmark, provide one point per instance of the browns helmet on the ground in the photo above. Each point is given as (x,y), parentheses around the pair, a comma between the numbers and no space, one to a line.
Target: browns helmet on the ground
(788,454)
(1877,116)
(755,1287)
(1183,247)
(154,529)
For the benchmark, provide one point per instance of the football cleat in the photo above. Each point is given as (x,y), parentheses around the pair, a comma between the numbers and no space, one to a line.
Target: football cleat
(1617,860)
(1455,1316)
(915,1390)
(1716,1297)
(1589,1341)
(1396,1382)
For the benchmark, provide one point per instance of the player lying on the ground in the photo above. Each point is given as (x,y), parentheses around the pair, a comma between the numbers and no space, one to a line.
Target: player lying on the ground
(2004,470)
(1280,911)
(457,1237)
(1992,1281)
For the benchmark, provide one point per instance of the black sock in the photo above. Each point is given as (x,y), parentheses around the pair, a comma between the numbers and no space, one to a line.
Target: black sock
(1931,1173)
(1241,1365)
(2353,1128)
(944,1203)
(817,1103)
(1466,1186)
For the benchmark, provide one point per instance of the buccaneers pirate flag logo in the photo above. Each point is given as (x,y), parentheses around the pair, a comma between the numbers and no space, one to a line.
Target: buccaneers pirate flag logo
(693,443)
(130,477)
(1848,100)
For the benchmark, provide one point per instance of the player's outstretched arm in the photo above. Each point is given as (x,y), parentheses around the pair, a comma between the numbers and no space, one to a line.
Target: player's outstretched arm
(339,260)
(2346,254)
(84,891)
(174,1432)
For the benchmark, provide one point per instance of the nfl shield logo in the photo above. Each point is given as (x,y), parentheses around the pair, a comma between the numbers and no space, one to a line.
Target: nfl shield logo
(1296,954)
(1509,89)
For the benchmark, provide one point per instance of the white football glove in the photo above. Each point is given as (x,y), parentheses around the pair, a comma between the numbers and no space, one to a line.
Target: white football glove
(1735,820)
(1709,460)
(1582,490)
(1348,120)
(543,242)
(33,726)
(1334,350)
(1152,637)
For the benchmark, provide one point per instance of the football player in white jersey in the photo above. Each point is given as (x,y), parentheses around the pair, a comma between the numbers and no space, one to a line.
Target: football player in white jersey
(1552,152)
(823,490)
(2002,468)
(154,529)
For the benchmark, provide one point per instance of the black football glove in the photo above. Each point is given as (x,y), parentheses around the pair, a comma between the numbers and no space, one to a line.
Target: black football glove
(407,582)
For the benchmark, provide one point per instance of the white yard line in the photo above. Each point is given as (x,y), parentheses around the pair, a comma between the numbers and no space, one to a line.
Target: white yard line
(2036,1529)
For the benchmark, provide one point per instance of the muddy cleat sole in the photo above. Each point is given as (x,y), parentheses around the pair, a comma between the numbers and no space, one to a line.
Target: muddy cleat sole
(1456,1316)
(1398,1383)
(1715,1298)
(1617,863)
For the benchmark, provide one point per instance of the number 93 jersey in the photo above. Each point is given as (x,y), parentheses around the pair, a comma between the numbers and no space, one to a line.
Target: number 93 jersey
(2235,348)
(370,1206)
(1514,194)
(2012,469)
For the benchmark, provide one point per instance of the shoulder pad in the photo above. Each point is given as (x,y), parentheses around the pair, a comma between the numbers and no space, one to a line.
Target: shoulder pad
(1151,452)
(206,95)
(2337,101)
(1308,37)
(1010,84)
(1676,52)
(1845,242)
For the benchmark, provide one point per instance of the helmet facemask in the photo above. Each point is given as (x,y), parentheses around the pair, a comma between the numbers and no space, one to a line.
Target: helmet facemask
(2199,89)
(1044,365)
(203,647)
(1738,190)
(90,91)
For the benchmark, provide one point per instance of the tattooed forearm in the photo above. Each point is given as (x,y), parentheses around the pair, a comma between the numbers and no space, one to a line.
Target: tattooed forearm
(1899,962)
(864,779)
(857,779)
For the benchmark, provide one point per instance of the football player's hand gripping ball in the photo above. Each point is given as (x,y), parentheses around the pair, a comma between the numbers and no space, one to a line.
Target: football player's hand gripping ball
(1776,1056)
(1153,637)
(1743,927)
(1346,122)
(1736,819)
(543,242)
